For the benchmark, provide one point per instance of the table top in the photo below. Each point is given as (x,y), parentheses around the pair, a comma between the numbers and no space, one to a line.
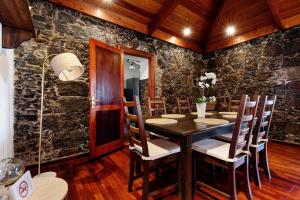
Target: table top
(186,126)
(49,188)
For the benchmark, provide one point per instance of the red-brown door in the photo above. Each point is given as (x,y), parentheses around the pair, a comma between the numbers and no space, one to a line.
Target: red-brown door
(106,90)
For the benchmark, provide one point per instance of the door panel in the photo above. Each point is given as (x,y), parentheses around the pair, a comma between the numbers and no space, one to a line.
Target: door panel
(105,125)
(106,90)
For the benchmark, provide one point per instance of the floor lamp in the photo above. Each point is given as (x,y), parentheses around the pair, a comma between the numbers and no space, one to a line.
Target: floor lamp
(67,67)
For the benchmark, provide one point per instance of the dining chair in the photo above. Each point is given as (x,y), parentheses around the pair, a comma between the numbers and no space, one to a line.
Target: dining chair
(183,105)
(149,154)
(232,104)
(156,106)
(230,155)
(260,138)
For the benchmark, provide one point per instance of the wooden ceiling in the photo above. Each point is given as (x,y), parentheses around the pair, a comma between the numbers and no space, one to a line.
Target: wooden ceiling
(207,19)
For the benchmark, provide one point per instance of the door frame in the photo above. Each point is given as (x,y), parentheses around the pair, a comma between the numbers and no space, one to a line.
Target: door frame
(151,64)
(92,87)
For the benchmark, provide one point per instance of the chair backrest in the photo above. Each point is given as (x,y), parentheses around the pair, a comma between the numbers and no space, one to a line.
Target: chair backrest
(232,104)
(264,118)
(244,124)
(135,125)
(183,105)
(156,106)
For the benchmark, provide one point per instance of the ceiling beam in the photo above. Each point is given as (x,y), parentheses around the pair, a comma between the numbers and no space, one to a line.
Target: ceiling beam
(164,12)
(275,14)
(215,21)
(242,38)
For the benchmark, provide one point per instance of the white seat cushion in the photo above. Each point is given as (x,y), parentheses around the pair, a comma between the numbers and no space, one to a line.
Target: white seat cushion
(159,148)
(214,148)
(226,137)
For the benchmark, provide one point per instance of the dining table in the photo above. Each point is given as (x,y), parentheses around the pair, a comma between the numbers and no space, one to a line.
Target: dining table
(185,132)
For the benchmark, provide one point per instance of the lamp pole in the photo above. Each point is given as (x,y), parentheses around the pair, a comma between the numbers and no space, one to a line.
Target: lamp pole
(42,109)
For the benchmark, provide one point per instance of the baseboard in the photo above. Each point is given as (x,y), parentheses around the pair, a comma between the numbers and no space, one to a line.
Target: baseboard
(284,143)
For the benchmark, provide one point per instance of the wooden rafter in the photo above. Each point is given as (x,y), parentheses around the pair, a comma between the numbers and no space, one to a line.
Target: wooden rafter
(134,9)
(275,13)
(215,22)
(164,12)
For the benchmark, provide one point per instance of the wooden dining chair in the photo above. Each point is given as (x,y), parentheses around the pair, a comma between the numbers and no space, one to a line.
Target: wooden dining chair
(183,105)
(232,104)
(149,154)
(230,155)
(260,138)
(156,106)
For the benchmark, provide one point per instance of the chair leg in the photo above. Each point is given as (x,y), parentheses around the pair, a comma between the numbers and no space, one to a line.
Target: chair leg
(246,179)
(131,172)
(232,182)
(255,169)
(264,161)
(194,175)
(157,172)
(145,180)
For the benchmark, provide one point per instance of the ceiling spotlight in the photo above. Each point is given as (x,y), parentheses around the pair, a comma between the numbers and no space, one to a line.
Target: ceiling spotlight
(173,39)
(230,30)
(107,1)
(187,31)
(98,12)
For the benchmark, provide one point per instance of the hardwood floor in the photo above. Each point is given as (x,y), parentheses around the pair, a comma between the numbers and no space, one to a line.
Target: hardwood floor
(106,178)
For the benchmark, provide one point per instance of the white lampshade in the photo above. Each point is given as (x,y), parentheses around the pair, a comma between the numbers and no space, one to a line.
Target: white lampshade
(67,66)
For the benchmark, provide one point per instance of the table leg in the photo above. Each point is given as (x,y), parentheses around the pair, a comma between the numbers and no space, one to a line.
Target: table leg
(185,169)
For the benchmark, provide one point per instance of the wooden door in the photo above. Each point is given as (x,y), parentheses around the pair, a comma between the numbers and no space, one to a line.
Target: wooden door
(106,90)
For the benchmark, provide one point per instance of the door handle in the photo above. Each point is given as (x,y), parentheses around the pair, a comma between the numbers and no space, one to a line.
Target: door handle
(93,101)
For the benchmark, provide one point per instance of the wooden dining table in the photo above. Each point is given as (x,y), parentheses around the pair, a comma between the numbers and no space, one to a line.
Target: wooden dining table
(186,131)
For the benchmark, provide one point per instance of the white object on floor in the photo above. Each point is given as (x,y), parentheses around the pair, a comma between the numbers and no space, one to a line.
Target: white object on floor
(228,113)
(229,116)
(173,116)
(214,148)
(211,121)
(162,121)
(159,148)
(206,114)
(49,188)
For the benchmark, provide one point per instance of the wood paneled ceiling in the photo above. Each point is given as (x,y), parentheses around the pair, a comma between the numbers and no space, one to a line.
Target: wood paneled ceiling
(207,19)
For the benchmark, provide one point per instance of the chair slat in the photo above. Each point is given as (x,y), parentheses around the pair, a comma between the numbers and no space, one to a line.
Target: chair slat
(269,102)
(263,124)
(267,113)
(241,145)
(137,142)
(244,131)
(129,103)
(134,129)
(247,118)
(250,104)
(132,117)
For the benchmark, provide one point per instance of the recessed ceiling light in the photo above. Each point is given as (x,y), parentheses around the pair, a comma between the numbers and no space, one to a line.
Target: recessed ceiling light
(230,30)
(187,31)
(173,39)
(107,1)
(98,12)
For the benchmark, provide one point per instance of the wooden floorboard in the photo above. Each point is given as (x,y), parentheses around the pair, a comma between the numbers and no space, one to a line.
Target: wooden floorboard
(106,178)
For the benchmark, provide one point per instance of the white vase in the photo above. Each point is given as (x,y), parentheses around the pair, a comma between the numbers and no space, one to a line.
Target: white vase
(201,108)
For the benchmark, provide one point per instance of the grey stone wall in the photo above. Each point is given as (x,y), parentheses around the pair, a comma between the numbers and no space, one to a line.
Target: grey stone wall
(65,130)
(267,65)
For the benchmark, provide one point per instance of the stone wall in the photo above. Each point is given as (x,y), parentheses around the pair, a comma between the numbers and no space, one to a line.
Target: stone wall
(267,65)
(66,111)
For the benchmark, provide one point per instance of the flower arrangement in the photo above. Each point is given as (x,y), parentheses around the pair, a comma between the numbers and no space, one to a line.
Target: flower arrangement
(203,99)
(207,80)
